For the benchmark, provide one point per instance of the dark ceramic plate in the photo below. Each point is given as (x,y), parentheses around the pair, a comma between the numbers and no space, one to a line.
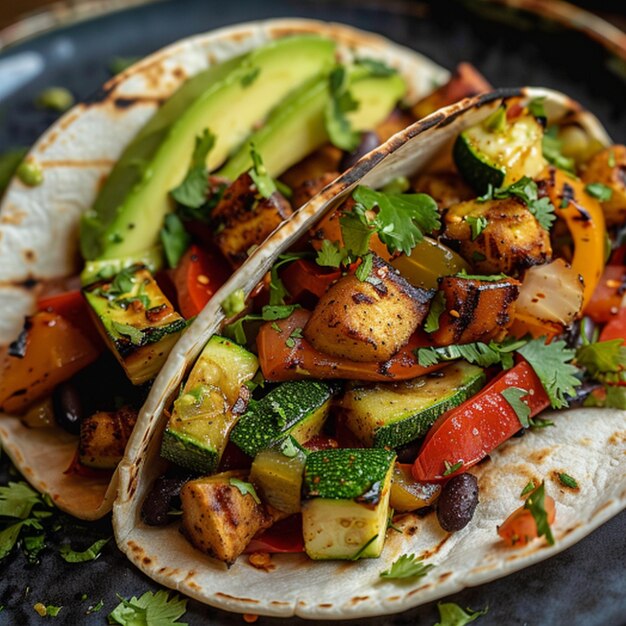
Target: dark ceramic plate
(583,585)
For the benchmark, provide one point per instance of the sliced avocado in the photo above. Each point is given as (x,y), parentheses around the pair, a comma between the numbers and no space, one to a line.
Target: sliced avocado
(296,127)
(230,100)
(136,320)
(197,431)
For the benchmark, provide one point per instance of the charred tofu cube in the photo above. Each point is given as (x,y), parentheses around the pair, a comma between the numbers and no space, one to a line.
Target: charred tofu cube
(103,437)
(367,320)
(311,187)
(608,167)
(243,218)
(218,518)
(475,310)
(446,188)
(509,239)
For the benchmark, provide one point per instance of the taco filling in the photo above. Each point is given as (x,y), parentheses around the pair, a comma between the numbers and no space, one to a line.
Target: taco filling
(223,162)
(408,334)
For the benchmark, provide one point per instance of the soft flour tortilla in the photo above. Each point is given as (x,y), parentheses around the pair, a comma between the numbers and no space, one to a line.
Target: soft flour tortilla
(39,225)
(588,444)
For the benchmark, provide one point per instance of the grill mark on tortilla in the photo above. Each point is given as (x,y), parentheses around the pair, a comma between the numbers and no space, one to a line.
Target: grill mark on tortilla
(428,553)
(226,596)
(601,508)
(358,599)
(422,588)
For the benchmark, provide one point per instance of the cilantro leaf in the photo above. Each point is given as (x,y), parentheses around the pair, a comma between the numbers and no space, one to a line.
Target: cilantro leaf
(530,486)
(407,566)
(402,219)
(492,278)
(154,609)
(477,225)
(567,480)
(551,146)
(526,190)
(604,360)
(329,255)
(192,191)
(514,395)
(451,467)
(479,353)
(289,448)
(341,103)
(363,271)
(95,608)
(376,68)
(356,232)
(175,239)
(552,364)
(134,335)
(10,534)
(437,307)
(17,500)
(278,312)
(245,488)
(451,614)
(600,191)
(90,554)
(264,182)
(535,503)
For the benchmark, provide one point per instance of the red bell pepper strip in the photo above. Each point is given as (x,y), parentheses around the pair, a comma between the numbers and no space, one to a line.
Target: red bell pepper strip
(303,276)
(472,430)
(285,355)
(616,328)
(199,275)
(284,536)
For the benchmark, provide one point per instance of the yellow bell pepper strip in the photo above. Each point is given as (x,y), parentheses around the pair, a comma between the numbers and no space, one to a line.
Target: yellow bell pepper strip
(584,217)
(428,261)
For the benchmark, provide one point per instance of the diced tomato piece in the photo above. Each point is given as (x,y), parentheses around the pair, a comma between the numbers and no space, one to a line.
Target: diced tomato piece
(72,306)
(305,276)
(520,527)
(200,273)
(472,430)
(607,297)
(616,328)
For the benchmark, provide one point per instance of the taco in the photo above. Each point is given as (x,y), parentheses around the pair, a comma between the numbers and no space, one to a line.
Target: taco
(419,335)
(180,149)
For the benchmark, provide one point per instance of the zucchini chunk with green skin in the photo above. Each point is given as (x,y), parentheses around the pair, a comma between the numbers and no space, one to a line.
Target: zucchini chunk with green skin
(389,415)
(207,408)
(500,154)
(345,502)
(229,99)
(475,310)
(277,472)
(512,239)
(298,408)
(218,518)
(136,320)
(103,437)
(367,320)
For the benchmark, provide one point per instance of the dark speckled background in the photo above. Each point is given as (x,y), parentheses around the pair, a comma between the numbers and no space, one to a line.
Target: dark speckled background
(585,585)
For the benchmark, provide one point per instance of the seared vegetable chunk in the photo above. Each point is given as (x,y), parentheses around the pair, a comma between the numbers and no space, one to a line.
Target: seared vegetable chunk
(408,494)
(475,310)
(511,240)
(609,168)
(103,437)
(243,218)
(136,320)
(218,518)
(367,320)
(311,187)
(346,502)
(211,401)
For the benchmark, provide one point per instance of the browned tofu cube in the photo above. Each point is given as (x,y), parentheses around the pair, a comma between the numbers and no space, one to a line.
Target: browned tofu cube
(446,188)
(243,218)
(218,518)
(367,320)
(476,310)
(511,240)
(103,437)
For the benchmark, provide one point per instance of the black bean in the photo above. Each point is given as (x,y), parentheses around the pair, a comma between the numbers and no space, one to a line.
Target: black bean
(161,499)
(369,141)
(68,407)
(457,502)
